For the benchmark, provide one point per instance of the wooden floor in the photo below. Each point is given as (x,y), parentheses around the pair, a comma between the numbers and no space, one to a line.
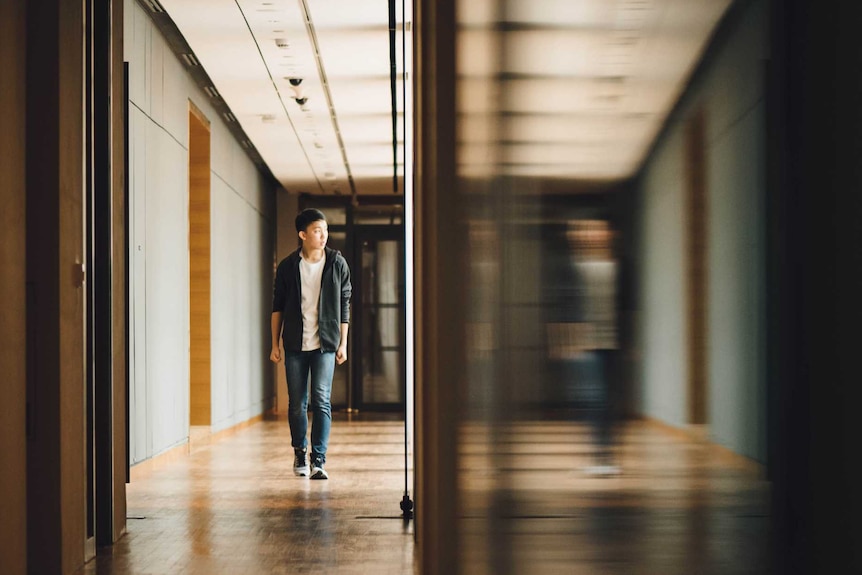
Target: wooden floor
(529,506)
(236,508)
(679,506)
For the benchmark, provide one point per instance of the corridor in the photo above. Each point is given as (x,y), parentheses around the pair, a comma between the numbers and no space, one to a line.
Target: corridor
(234,507)
(604,260)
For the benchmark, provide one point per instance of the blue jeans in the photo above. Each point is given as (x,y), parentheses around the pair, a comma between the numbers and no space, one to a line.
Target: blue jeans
(592,376)
(321,365)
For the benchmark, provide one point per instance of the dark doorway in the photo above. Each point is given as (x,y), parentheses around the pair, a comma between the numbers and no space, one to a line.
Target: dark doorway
(370,234)
(98,247)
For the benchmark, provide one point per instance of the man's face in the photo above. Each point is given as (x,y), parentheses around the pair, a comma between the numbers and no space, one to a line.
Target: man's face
(315,235)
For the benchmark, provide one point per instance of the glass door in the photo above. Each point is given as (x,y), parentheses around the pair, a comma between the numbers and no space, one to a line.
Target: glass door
(378,342)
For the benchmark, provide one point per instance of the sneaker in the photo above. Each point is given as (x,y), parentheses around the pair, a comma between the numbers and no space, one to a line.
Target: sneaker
(603,470)
(317,471)
(300,465)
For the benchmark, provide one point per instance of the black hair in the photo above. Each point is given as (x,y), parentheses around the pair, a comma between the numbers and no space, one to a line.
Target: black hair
(307,217)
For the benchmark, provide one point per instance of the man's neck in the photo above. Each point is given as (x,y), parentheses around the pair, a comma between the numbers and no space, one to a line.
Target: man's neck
(312,256)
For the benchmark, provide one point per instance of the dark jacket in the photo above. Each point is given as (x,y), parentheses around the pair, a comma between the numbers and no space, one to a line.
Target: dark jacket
(335,291)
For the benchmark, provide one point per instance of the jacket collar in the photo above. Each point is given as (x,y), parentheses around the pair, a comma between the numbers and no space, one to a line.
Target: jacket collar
(329,256)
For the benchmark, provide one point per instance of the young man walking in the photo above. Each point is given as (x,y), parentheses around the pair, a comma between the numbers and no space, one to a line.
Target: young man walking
(311,313)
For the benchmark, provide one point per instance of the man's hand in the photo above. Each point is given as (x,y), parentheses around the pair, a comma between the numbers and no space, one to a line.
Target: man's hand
(341,354)
(275,355)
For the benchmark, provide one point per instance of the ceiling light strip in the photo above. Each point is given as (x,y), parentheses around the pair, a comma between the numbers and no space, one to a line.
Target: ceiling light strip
(312,34)
(278,93)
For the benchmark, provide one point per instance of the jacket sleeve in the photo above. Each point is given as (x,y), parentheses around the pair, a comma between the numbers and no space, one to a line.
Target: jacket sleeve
(346,291)
(278,293)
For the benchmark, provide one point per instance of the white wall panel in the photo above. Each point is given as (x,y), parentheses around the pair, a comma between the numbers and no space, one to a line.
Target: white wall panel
(138,56)
(736,276)
(241,289)
(664,394)
(128,35)
(167,286)
(222,154)
(222,277)
(175,94)
(156,75)
(241,230)
(140,440)
(737,180)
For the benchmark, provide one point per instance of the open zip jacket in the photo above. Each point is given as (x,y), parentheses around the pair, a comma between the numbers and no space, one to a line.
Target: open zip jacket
(335,292)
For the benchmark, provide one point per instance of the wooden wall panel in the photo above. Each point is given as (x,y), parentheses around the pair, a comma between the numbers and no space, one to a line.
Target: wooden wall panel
(13,446)
(199,269)
(56,466)
(70,201)
(440,364)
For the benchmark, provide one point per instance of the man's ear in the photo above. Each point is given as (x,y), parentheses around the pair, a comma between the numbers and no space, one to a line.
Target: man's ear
(302,235)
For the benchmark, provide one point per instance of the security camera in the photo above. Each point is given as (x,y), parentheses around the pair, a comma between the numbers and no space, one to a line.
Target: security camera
(295,81)
(301,101)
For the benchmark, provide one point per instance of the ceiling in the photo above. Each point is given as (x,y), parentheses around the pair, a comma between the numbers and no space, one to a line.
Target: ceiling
(331,133)
(585,84)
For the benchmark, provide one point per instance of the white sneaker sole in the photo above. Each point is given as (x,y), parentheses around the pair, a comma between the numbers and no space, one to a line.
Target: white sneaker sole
(301,471)
(319,473)
(603,470)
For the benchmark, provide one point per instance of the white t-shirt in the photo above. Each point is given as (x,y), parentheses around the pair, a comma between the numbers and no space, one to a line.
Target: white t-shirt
(600,281)
(310,275)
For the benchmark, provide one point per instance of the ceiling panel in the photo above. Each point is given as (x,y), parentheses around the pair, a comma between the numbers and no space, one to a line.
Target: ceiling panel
(586,84)
(357,96)
(583,13)
(368,128)
(330,14)
(555,52)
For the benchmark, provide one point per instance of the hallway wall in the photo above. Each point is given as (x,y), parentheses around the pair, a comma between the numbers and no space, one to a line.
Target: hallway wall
(242,224)
(730,89)
(13,327)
